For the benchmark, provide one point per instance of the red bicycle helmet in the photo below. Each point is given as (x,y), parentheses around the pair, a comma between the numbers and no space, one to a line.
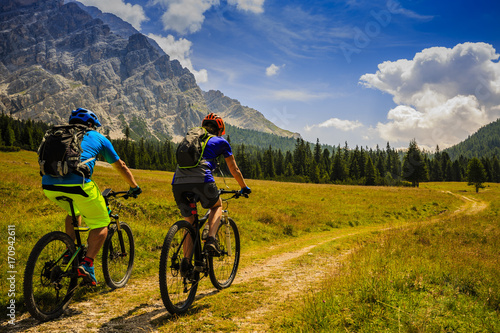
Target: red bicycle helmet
(215,119)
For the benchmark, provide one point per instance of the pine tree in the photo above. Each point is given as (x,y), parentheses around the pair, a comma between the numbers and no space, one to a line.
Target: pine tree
(338,168)
(9,135)
(370,173)
(488,168)
(289,170)
(354,164)
(280,163)
(380,164)
(325,161)
(361,162)
(269,171)
(496,170)
(414,167)
(317,151)
(299,158)
(314,173)
(242,160)
(476,174)
(27,136)
(457,171)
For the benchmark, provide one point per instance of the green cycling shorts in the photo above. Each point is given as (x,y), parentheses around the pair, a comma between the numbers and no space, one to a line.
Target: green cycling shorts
(87,202)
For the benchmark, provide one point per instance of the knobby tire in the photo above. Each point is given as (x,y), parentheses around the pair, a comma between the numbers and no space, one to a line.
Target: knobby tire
(47,289)
(117,264)
(222,270)
(177,292)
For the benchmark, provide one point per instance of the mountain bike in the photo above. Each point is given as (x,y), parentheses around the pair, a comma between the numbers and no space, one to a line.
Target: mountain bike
(51,276)
(178,288)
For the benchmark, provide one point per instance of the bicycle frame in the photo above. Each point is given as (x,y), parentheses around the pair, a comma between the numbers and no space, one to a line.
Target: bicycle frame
(79,249)
(198,224)
(79,246)
(199,264)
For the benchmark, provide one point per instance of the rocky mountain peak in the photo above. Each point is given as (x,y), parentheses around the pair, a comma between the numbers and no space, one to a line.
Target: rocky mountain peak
(56,57)
(9,5)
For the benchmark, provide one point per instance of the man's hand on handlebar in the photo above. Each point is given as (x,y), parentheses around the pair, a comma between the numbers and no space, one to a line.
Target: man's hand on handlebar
(134,192)
(245,191)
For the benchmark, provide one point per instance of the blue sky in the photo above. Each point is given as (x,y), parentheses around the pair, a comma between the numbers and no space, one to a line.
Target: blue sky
(365,72)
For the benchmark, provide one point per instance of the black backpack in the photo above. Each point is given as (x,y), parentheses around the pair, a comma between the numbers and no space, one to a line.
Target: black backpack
(59,153)
(190,151)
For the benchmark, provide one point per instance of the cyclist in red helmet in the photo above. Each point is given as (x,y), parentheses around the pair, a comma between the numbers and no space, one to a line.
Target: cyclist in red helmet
(200,180)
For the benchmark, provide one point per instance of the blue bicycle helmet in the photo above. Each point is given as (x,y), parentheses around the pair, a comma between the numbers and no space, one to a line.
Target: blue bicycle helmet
(83,116)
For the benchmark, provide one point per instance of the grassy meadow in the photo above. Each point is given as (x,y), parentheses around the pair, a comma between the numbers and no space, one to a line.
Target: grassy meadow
(412,279)
(428,277)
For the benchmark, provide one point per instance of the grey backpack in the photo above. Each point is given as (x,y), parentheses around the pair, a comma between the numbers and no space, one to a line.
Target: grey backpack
(190,151)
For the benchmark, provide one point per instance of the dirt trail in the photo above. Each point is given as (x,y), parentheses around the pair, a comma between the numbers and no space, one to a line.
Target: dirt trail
(124,310)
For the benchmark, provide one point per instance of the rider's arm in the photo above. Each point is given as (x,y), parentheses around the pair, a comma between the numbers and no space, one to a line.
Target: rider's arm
(124,171)
(235,171)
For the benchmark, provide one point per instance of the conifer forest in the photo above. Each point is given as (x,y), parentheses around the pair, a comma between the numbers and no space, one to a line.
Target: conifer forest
(303,162)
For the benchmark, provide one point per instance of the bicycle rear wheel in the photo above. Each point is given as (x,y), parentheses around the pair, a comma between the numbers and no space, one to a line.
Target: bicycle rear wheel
(223,269)
(118,255)
(177,291)
(48,288)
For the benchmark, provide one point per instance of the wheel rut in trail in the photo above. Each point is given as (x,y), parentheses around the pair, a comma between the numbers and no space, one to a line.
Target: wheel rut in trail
(130,309)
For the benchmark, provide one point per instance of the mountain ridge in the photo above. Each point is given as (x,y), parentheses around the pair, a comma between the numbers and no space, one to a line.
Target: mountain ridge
(485,142)
(55,57)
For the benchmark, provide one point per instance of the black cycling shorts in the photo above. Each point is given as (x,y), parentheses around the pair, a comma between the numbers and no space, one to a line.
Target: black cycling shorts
(207,193)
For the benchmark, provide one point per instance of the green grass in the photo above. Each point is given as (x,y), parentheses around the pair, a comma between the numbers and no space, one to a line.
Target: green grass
(437,277)
(277,217)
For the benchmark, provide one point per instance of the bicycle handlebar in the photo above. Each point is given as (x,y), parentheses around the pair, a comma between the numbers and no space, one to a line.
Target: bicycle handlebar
(118,194)
(236,193)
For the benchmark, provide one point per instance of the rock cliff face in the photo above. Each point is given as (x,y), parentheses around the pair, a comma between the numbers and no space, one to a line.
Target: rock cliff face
(56,57)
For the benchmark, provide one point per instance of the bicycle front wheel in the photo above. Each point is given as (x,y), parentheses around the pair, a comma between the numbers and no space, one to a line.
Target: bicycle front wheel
(178,290)
(223,268)
(118,255)
(49,283)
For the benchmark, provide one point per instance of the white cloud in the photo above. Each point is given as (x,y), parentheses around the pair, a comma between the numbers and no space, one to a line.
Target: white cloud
(344,125)
(185,16)
(443,94)
(395,7)
(273,69)
(254,6)
(297,95)
(133,14)
(180,50)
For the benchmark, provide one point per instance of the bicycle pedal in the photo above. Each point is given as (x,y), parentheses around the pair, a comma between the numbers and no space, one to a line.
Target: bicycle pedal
(214,253)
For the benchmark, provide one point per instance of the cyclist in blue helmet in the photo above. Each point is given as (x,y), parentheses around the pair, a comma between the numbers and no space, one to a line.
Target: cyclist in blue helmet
(85,117)
(87,199)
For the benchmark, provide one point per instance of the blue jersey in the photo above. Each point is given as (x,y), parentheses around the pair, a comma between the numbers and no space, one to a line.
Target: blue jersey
(93,144)
(215,147)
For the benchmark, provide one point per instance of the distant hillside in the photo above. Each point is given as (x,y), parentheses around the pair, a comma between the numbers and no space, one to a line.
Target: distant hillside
(259,139)
(242,116)
(484,143)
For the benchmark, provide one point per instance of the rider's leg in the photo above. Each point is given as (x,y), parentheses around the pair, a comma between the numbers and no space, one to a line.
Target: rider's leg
(70,230)
(214,218)
(96,240)
(187,246)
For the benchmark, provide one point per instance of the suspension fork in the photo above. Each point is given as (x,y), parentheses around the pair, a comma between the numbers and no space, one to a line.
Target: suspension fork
(224,220)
